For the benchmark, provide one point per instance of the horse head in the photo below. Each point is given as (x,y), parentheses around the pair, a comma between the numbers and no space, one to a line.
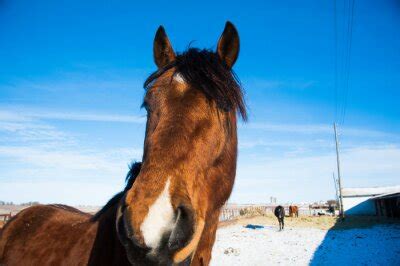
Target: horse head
(190,149)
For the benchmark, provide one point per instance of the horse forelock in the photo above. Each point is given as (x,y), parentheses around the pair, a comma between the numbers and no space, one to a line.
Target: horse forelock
(203,70)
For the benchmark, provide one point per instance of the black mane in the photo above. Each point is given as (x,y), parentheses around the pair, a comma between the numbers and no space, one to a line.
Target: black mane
(133,172)
(204,70)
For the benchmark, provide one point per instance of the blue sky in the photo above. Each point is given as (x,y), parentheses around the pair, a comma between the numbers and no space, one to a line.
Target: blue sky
(71,76)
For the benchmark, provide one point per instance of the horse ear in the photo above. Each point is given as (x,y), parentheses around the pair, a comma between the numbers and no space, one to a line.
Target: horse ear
(228,45)
(162,49)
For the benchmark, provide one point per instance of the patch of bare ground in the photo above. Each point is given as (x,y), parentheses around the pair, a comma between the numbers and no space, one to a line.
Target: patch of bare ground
(319,222)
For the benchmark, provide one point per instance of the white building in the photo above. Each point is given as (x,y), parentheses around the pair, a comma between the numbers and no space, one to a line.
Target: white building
(361,201)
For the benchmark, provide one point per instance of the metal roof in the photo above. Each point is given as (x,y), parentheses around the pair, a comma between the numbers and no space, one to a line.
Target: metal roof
(369,192)
(387,196)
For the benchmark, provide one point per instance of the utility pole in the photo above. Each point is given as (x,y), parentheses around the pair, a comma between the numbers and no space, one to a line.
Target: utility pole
(339,175)
(336,188)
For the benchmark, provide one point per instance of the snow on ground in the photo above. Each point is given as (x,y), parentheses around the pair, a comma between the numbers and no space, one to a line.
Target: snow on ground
(236,245)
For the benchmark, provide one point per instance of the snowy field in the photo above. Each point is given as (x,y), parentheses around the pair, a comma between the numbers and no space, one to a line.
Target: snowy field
(236,245)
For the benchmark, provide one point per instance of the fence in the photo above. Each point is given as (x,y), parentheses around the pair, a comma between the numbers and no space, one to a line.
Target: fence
(5,217)
(232,212)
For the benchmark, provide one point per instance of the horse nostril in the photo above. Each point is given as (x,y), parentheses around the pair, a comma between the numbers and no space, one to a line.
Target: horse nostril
(183,229)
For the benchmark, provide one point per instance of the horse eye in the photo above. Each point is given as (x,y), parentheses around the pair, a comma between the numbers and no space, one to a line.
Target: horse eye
(146,106)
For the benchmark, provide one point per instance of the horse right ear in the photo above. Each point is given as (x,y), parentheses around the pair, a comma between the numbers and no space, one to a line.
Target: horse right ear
(162,49)
(229,45)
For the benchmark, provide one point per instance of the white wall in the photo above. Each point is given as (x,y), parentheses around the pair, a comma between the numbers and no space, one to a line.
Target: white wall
(359,206)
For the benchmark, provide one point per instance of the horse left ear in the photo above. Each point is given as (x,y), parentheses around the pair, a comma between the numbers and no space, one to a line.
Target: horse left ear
(162,49)
(228,45)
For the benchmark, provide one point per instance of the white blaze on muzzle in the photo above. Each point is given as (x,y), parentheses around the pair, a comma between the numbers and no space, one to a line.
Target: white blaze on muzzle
(159,219)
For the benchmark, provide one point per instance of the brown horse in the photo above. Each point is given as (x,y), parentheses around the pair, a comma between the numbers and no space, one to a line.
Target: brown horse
(293,211)
(169,214)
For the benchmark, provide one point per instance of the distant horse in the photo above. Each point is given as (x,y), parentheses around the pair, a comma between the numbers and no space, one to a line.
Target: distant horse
(169,214)
(331,210)
(293,211)
(280,214)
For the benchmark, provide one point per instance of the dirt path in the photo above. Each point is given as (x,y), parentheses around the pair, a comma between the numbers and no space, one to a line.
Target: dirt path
(323,222)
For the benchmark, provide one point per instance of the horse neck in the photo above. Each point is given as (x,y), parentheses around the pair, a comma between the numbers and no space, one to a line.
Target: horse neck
(224,168)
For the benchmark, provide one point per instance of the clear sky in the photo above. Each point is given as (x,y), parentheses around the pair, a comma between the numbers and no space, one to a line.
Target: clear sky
(71,75)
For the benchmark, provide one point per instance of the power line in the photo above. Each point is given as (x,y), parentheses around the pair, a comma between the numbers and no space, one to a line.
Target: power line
(348,61)
(342,60)
(339,22)
(336,57)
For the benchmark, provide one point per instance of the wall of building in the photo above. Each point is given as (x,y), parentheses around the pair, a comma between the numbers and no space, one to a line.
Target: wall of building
(388,206)
(359,206)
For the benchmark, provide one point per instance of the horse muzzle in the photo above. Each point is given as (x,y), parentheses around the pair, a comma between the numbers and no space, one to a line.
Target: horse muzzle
(175,244)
